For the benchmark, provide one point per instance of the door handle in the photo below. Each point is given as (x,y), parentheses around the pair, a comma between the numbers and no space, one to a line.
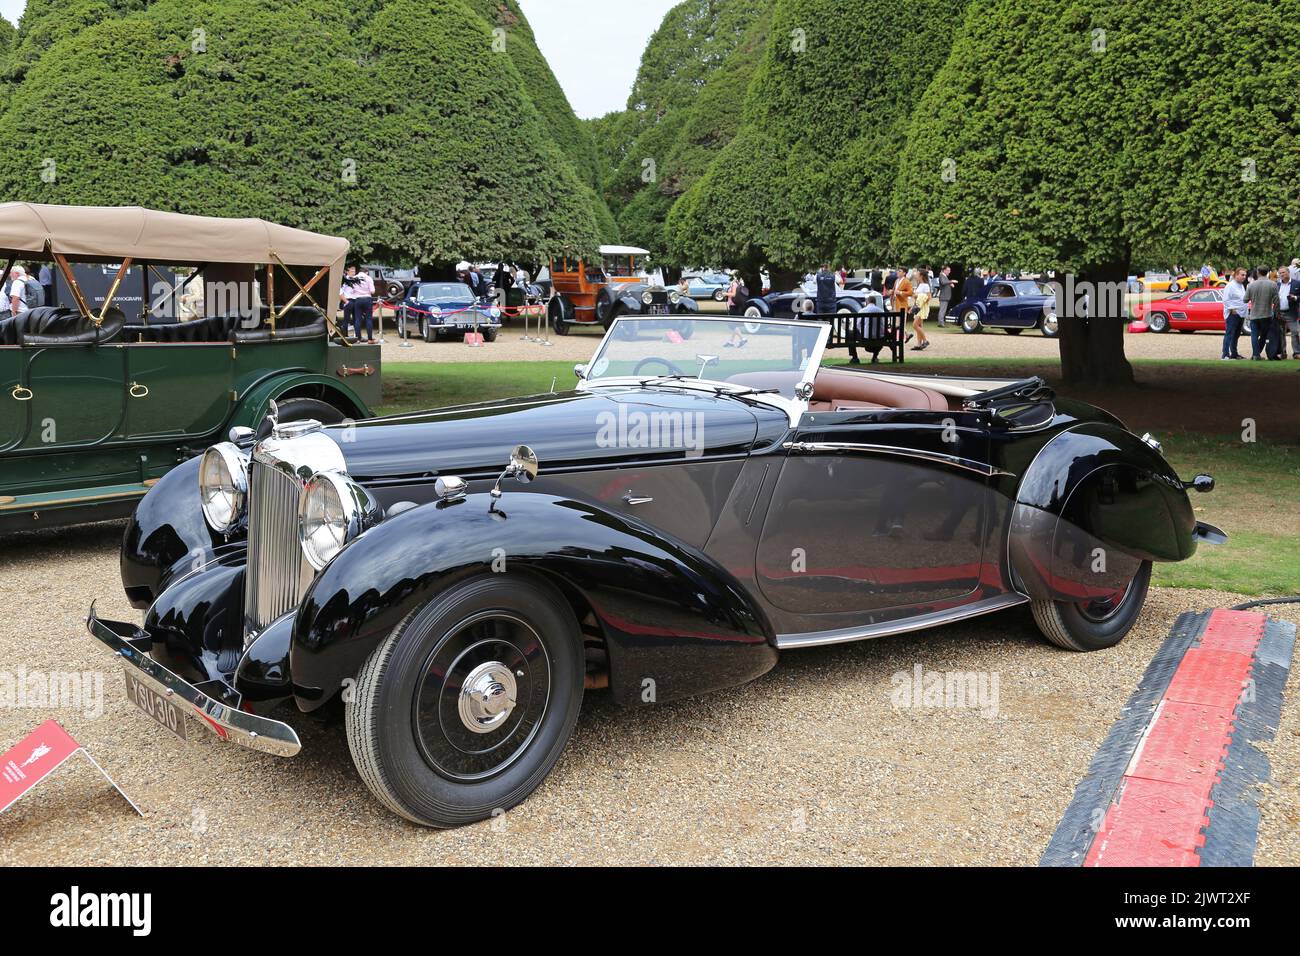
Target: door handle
(21,393)
(139,391)
(631,499)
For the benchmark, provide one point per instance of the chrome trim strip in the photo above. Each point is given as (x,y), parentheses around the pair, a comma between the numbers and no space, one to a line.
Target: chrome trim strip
(228,723)
(918,623)
(980,468)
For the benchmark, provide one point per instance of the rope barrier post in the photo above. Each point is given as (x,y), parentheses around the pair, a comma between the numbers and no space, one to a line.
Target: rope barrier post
(402,333)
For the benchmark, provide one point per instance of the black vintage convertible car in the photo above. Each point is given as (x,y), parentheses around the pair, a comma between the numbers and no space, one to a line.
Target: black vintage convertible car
(456,580)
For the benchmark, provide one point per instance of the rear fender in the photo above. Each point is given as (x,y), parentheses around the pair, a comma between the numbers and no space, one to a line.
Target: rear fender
(674,621)
(1095,503)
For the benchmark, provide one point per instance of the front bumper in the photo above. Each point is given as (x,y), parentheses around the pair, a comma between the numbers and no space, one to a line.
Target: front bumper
(223,719)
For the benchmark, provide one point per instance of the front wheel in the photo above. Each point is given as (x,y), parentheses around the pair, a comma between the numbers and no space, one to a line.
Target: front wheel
(555,316)
(970,321)
(1158,322)
(719,295)
(1097,624)
(465,708)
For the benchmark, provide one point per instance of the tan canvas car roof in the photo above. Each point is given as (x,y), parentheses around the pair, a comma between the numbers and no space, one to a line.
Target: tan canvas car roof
(114,233)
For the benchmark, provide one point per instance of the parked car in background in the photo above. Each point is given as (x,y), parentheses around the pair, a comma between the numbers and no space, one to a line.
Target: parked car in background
(801,302)
(1185,282)
(709,285)
(1195,310)
(1009,304)
(391,284)
(594,294)
(438,310)
(97,405)
(458,599)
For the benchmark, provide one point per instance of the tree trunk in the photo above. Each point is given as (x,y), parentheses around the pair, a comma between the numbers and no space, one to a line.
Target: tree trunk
(1092,336)
(784,280)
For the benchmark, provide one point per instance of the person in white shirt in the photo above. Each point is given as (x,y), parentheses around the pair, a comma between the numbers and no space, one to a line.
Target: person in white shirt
(16,295)
(358,295)
(1235,310)
(921,291)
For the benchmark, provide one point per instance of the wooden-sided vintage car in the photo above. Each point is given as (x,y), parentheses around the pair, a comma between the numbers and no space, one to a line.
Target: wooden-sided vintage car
(683,516)
(97,405)
(595,294)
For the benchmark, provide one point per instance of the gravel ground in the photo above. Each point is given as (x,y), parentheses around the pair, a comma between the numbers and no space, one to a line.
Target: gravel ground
(949,342)
(810,764)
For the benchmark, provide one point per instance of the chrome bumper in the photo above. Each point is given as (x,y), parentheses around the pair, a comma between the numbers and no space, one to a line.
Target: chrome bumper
(228,723)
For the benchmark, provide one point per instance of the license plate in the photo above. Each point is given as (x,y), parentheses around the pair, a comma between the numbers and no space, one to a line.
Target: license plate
(165,712)
(658,310)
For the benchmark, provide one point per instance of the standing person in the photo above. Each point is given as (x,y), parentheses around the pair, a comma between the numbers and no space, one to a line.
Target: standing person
(944,283)
(1234,313)
(46,276)
(825,281)
(922,309)
(17,297)
(1261,295)
(1288,293)
(972,287)
(902,301)
(887,284)
(503,281)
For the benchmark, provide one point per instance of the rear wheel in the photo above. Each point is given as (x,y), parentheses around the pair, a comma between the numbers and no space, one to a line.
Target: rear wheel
(719,295)
(300,410)
(1097,624)
(465,708)
(755,313)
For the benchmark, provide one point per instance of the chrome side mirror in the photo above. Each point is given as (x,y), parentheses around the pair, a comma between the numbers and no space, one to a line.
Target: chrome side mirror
(580,371)
(803,391)
(523,467)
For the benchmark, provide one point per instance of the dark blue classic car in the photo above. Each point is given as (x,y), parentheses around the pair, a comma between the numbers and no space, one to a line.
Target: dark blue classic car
(434,310)
(1010,304)
(693,509)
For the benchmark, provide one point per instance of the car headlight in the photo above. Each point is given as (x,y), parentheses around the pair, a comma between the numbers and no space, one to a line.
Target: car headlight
(675,297)
(495,312)
(332,511)
(223,486)
(647,297)
(435,311)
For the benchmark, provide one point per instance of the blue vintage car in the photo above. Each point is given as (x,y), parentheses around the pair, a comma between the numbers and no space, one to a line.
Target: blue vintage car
(434,310)
(709,285)
(1010,304)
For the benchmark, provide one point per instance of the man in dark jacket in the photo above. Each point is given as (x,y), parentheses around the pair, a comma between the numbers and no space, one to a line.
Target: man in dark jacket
(973,286)
(1288,310)
(825,280)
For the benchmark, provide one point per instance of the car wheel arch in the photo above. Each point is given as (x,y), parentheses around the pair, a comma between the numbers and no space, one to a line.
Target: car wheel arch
(334,634)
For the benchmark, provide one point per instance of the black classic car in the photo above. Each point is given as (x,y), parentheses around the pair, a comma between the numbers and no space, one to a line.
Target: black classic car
(456,580)
(802,301)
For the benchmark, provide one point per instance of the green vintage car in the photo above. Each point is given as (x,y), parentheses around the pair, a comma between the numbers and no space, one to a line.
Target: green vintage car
(96,405)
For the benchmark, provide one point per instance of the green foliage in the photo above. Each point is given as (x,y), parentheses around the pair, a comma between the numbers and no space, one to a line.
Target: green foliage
(657,146)
(1092,134)
(809,174)
(393,123)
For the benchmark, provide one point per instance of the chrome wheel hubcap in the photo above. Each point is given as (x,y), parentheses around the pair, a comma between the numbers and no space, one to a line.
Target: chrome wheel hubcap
(487,697)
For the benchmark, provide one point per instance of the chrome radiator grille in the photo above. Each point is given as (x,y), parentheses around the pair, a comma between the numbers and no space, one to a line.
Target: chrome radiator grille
(275,578)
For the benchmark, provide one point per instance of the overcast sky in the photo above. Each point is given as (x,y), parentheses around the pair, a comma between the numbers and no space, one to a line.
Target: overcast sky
(594,46)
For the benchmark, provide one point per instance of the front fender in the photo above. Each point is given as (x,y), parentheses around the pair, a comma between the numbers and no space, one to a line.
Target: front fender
(1095,503)
(166,535)
(675,623)
(254,403)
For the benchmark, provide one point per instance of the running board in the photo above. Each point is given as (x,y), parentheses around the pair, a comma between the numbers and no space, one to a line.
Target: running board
(885,628)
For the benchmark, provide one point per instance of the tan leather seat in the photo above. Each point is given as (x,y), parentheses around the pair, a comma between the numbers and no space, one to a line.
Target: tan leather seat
(839,388)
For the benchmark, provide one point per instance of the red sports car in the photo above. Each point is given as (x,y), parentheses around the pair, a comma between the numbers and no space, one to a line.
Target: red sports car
(1192,311)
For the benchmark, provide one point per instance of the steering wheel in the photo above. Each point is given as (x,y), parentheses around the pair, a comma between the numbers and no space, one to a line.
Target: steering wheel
(673,369)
